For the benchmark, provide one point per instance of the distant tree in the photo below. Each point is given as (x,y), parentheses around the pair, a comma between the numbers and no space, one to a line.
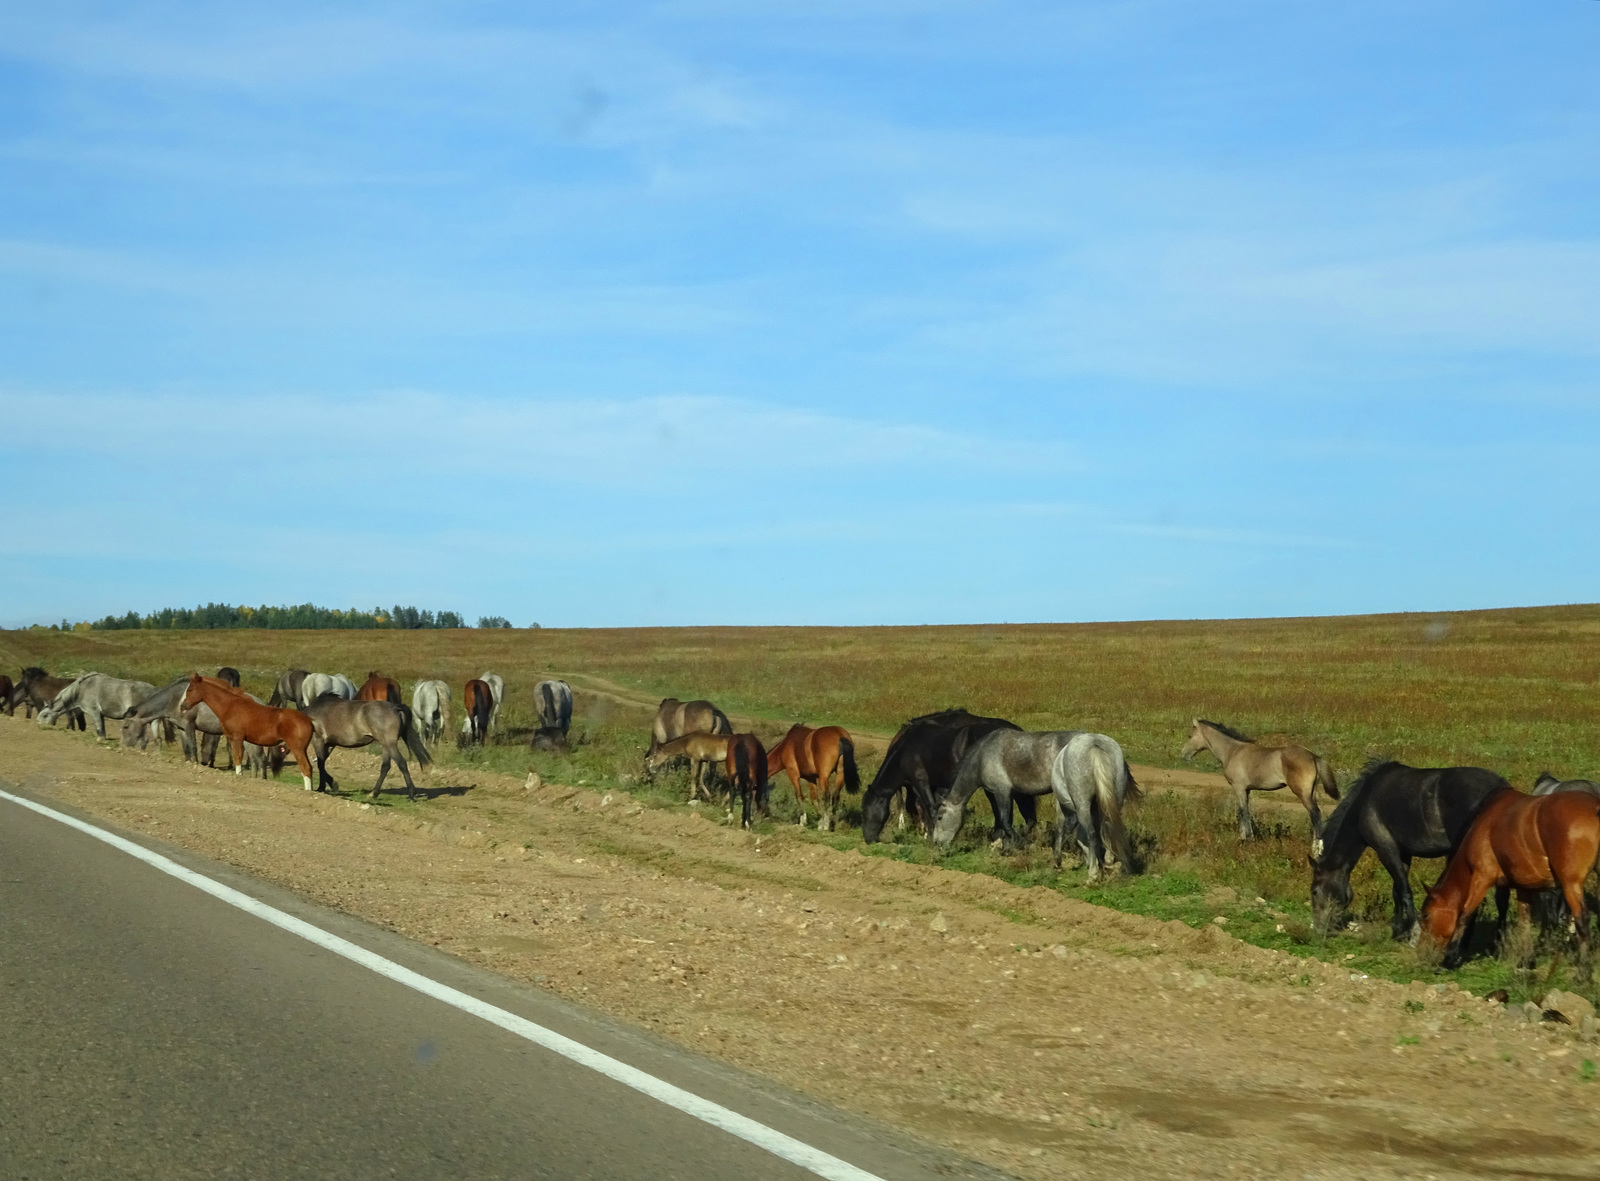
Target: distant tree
(303,616)
(450,619)
(493,621)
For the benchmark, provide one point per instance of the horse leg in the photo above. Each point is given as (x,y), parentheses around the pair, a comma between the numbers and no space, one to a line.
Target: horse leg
(1404,926)
(405,770)
(1247,824)
(1089,842)
(383,770)
(236,749)
(304,764)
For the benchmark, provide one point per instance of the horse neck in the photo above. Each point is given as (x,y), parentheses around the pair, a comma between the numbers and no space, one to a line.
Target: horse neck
(1342,842)
(1221,745)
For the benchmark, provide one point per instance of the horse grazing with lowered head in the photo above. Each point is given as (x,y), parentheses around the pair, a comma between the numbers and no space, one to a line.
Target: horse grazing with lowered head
(430,703)
(1086,773)
(478,698)
(162,711)
(97,697)
(1521,843)
(676,718)
(37,689)
(1398,812)
(554,699)
(920,766)
(814,757)
(1249,766)
(380,688)
(352,724)
(287,690)
(243,719)
(746,767)
(703,751)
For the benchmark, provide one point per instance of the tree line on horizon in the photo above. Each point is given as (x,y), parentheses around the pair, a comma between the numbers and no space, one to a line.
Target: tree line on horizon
(306,616)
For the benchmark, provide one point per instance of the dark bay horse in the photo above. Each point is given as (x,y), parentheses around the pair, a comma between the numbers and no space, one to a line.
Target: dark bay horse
(1249,766)
(245,720)
(287,691)
(229,675)
(1399,812)
(1521,843)
(38,689)
(380,688)
(746,767)
(6,691)
(814,757)
(352,724)
(921,761)
(479,701)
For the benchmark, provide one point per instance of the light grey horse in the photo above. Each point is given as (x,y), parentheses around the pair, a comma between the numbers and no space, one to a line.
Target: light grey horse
(357,723)
(164,708)
(1085,772)
(99,697)
(314,685)
(430,703)
(554,699)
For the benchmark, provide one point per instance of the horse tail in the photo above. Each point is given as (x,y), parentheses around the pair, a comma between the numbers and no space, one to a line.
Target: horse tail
(852,777)
(408,731)
(1325,777)
(1111,778)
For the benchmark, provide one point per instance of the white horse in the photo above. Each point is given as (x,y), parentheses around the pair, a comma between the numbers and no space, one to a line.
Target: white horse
(316,684)
(430,703)
(99,697)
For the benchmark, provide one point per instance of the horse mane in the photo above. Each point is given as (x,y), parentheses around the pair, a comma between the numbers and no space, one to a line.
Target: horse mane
(33,672)
(1228,730)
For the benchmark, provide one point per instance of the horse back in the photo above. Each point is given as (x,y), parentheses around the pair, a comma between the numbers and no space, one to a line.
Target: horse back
(1428,811)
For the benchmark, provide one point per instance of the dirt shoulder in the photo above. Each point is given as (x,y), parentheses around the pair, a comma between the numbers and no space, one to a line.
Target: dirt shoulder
(1032,1031)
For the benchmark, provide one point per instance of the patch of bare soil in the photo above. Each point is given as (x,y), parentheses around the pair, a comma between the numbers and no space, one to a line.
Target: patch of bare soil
(1032,1031)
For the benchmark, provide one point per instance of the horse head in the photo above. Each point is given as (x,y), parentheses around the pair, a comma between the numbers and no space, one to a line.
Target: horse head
(1197,740)
(1330,895)
(192,695)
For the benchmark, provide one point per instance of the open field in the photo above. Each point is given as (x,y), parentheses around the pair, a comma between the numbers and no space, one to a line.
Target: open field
(1511,690)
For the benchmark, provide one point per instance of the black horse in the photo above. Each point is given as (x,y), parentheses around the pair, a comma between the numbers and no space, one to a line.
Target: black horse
(922,758)
(1398,812)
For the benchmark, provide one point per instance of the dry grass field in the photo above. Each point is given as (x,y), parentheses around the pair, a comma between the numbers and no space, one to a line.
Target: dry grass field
(1512,690)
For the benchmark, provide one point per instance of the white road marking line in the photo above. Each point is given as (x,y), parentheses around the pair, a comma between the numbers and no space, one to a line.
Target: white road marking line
(745,1128)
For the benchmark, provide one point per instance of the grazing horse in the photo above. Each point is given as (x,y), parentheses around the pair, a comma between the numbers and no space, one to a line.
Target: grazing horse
(7,689)
(814,756)
(478,698)
(676,718)
(357,723)
(1521,843)
(97,697)
(314,685)
(430,703)
(1085,772)
(746,767)
(1250,766)
(246,720)
(1549,911)
(703,750)
(1399,812)
(921,761)
(380,688)
(38,689)
(497,687)
(554,699)
(287,691)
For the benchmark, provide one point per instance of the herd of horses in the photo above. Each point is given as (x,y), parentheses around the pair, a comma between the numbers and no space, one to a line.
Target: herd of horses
(1541,846)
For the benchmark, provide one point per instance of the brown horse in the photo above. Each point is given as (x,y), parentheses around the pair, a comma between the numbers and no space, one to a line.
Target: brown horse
(676,718)
(246,720)
(703,750)
(1521,843)
(6,690)
(379,688)
(479,699)
(746,765)
(1252,767)
(814,756)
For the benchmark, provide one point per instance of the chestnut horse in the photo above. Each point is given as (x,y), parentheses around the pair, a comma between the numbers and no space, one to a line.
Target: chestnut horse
(380,688)
(479,700)
(245,720)
(814,756)
(1522,843)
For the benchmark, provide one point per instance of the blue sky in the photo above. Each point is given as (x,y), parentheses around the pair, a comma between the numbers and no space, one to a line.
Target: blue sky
(800,313)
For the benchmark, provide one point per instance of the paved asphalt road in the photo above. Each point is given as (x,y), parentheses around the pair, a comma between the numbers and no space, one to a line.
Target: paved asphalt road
(150,1030)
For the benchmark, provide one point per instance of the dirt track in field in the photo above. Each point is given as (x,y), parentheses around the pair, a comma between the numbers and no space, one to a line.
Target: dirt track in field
(1035,1032)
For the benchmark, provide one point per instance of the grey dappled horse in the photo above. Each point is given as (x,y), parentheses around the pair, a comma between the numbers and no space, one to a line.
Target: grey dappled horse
(316,684)
(357,723)
(287,691)
(430,706)
(554,699)
(99,697)
(1085,772)
(165,706)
